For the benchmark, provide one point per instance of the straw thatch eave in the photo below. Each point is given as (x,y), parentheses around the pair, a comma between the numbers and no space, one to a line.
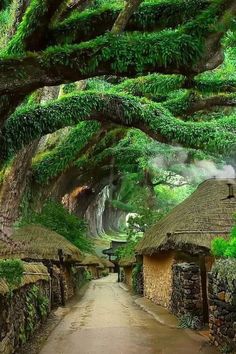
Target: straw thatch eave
(106,263)
(127,261)
(91,260)
(194,223)
(40,244)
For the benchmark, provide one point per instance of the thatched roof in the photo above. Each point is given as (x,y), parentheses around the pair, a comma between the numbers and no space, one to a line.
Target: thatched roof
(193,224)
(33,273)
(127,261)
(38,243)
(107,263)
(91,260)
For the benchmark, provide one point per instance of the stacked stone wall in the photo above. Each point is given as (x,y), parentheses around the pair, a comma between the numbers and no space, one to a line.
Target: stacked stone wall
(157,278)
(69,283)
(222,306)
(56,289)
(21,313)
(187,295)
(128,276)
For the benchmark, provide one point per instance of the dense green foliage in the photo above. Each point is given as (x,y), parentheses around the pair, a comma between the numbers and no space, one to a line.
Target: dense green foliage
(225,248)
(55,217)
(11,270)
(164,75)
(37,304)
(161,35)
(55,162)
(23,127)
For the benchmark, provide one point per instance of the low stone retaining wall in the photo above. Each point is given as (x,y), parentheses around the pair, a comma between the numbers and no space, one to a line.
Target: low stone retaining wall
(23,309)
(186,296)
(222,304)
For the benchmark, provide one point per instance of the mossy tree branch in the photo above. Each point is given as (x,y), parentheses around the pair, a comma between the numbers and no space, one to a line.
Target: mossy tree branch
(152,118)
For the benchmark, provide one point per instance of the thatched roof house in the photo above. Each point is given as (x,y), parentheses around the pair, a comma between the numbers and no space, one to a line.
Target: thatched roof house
(114,245)
(96,264)
(91,260)
(39,243)
(107,264)
(93,263)
(127,261)
(176,251)
(193,224)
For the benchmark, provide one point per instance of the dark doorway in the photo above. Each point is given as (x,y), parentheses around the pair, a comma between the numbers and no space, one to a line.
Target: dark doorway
(205,304)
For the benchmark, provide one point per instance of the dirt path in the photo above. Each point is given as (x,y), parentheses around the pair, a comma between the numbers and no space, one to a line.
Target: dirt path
(107,321)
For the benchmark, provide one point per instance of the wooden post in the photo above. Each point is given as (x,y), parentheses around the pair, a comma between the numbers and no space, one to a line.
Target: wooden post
(119,277)
(204,289)
(60,255)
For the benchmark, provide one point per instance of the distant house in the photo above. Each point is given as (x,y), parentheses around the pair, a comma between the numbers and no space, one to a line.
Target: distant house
(111,252)
(38,244)
(97,266)
(115,244)
(176,251)
(126,265)
(108,265)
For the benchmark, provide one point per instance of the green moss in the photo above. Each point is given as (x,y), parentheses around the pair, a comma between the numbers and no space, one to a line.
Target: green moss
(11,270)
(55,162)
(29,124)
(150,16)
(127,52)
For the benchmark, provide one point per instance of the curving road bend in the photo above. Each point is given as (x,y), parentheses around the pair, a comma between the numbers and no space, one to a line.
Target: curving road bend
(107,321)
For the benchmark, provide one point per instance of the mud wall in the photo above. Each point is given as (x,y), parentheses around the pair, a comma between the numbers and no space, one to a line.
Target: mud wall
(21,313)
(157,274)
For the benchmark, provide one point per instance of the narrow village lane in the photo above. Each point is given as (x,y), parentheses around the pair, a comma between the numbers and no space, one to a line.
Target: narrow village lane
(107,321)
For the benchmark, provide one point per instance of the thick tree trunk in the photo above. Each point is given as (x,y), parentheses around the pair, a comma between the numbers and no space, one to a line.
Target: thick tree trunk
(13,188)
(14,185)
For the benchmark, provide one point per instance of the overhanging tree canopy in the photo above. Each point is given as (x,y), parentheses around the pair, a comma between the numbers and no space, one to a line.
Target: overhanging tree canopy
(54,44)
(164,67)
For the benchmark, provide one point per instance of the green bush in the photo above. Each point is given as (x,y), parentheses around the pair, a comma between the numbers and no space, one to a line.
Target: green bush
(88,275)
(225,248)
(57,218)
(189,321)
(105,273)
(11,270)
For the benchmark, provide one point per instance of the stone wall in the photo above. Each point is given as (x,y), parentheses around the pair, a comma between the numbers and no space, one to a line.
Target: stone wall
(222,304)
(128,276)
(157,274)
(21,314)
(187,295)
(69,283)
(56,290)
(72,277)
